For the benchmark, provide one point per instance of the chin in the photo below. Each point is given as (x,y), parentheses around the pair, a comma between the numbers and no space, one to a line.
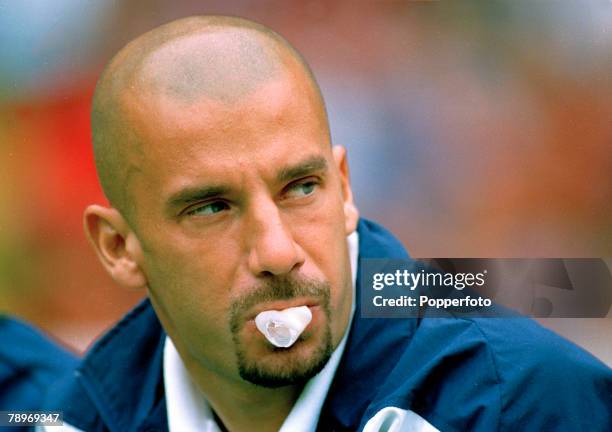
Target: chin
(279,367)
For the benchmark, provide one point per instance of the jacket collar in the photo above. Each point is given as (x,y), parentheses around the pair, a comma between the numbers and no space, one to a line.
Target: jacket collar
(122,374)
(372,349)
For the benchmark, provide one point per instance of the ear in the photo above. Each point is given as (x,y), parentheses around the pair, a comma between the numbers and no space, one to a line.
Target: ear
(351,214)
(116,245)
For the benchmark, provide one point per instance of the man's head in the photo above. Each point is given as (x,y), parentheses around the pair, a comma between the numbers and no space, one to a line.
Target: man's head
(212,145)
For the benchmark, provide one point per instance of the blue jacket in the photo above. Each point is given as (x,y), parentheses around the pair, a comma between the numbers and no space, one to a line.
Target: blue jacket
(29,363)
(459,374)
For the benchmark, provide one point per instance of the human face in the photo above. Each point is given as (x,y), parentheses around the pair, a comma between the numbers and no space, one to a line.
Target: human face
(240,209)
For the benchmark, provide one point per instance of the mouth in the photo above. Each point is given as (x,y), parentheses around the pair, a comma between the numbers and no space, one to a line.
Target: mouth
(280,305)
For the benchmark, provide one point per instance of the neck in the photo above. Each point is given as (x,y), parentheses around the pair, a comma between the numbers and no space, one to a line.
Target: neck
(243,406)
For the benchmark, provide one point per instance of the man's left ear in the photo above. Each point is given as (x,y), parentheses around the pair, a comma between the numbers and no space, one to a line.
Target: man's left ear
(351,214)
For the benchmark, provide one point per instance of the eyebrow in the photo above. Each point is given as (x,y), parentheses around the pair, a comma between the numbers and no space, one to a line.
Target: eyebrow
(309,166)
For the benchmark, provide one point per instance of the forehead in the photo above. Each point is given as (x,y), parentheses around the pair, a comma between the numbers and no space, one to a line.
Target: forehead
(222,65)
(182,143)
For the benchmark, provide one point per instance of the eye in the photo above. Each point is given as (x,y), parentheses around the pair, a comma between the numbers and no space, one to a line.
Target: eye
(301,189)
(207,209)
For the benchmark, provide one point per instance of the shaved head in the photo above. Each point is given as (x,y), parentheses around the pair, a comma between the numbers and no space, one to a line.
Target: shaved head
(221,59)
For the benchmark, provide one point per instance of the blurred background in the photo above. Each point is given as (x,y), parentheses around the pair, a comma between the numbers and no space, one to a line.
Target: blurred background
(474,129)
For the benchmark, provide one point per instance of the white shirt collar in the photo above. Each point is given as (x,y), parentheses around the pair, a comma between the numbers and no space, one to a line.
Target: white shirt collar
(188,409)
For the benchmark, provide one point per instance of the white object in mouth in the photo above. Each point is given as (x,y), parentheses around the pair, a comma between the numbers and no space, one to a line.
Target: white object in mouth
(282,328)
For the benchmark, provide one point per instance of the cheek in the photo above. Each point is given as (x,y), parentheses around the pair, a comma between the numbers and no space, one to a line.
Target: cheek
(324,219)
(322,235)
(191,287)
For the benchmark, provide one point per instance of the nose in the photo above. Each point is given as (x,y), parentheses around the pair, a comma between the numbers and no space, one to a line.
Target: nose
(274,250)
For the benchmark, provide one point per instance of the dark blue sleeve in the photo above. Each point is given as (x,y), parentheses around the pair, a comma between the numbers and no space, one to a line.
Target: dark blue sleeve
(502,374)
(547,382)
(29,363)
